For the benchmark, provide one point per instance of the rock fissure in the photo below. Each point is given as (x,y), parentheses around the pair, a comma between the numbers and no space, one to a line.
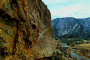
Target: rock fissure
(15,42)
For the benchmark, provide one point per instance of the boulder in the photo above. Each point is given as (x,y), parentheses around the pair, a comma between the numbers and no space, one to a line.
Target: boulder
(25,30)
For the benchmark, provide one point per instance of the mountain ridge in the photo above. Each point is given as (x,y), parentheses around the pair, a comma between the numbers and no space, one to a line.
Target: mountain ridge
(71,27)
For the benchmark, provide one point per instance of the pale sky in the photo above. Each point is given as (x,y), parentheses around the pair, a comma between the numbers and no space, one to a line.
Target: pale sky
(68,8)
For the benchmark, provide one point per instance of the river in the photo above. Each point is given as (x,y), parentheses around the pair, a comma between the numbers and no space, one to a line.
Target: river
(78,57)
(75,55)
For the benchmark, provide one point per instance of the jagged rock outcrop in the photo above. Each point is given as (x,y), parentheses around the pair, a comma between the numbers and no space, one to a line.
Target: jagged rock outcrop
(25,30)
(70,27)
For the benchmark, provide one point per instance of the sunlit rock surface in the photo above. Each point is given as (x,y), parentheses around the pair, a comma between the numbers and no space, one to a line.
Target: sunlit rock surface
(25,30)
(70,27)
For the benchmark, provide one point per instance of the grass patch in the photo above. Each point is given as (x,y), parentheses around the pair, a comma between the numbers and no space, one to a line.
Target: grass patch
(84,46)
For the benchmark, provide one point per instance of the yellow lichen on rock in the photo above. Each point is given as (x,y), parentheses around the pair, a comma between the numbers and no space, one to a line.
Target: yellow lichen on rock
(25,30)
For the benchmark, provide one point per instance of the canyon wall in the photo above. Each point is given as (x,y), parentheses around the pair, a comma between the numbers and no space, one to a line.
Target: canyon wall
(25,30)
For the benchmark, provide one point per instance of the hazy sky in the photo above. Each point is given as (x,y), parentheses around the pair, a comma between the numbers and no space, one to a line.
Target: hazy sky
(68,8)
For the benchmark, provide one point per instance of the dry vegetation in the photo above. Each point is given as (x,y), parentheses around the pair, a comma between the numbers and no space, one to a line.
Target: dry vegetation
(84,46)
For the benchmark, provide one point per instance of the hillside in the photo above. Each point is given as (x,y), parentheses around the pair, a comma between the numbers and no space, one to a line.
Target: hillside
(70,27)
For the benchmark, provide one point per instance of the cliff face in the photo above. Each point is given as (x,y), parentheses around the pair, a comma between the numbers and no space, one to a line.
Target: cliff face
(70,27)
(25,30)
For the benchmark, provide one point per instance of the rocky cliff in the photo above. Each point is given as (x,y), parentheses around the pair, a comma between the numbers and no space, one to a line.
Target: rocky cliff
(70,27)
(25,30)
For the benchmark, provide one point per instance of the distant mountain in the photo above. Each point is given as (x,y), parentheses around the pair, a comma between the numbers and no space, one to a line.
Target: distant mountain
(70,27)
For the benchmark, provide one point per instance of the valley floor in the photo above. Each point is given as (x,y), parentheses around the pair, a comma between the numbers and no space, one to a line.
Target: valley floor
(72,50)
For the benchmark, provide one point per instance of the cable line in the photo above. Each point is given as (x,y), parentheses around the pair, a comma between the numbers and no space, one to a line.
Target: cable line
(20,42)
